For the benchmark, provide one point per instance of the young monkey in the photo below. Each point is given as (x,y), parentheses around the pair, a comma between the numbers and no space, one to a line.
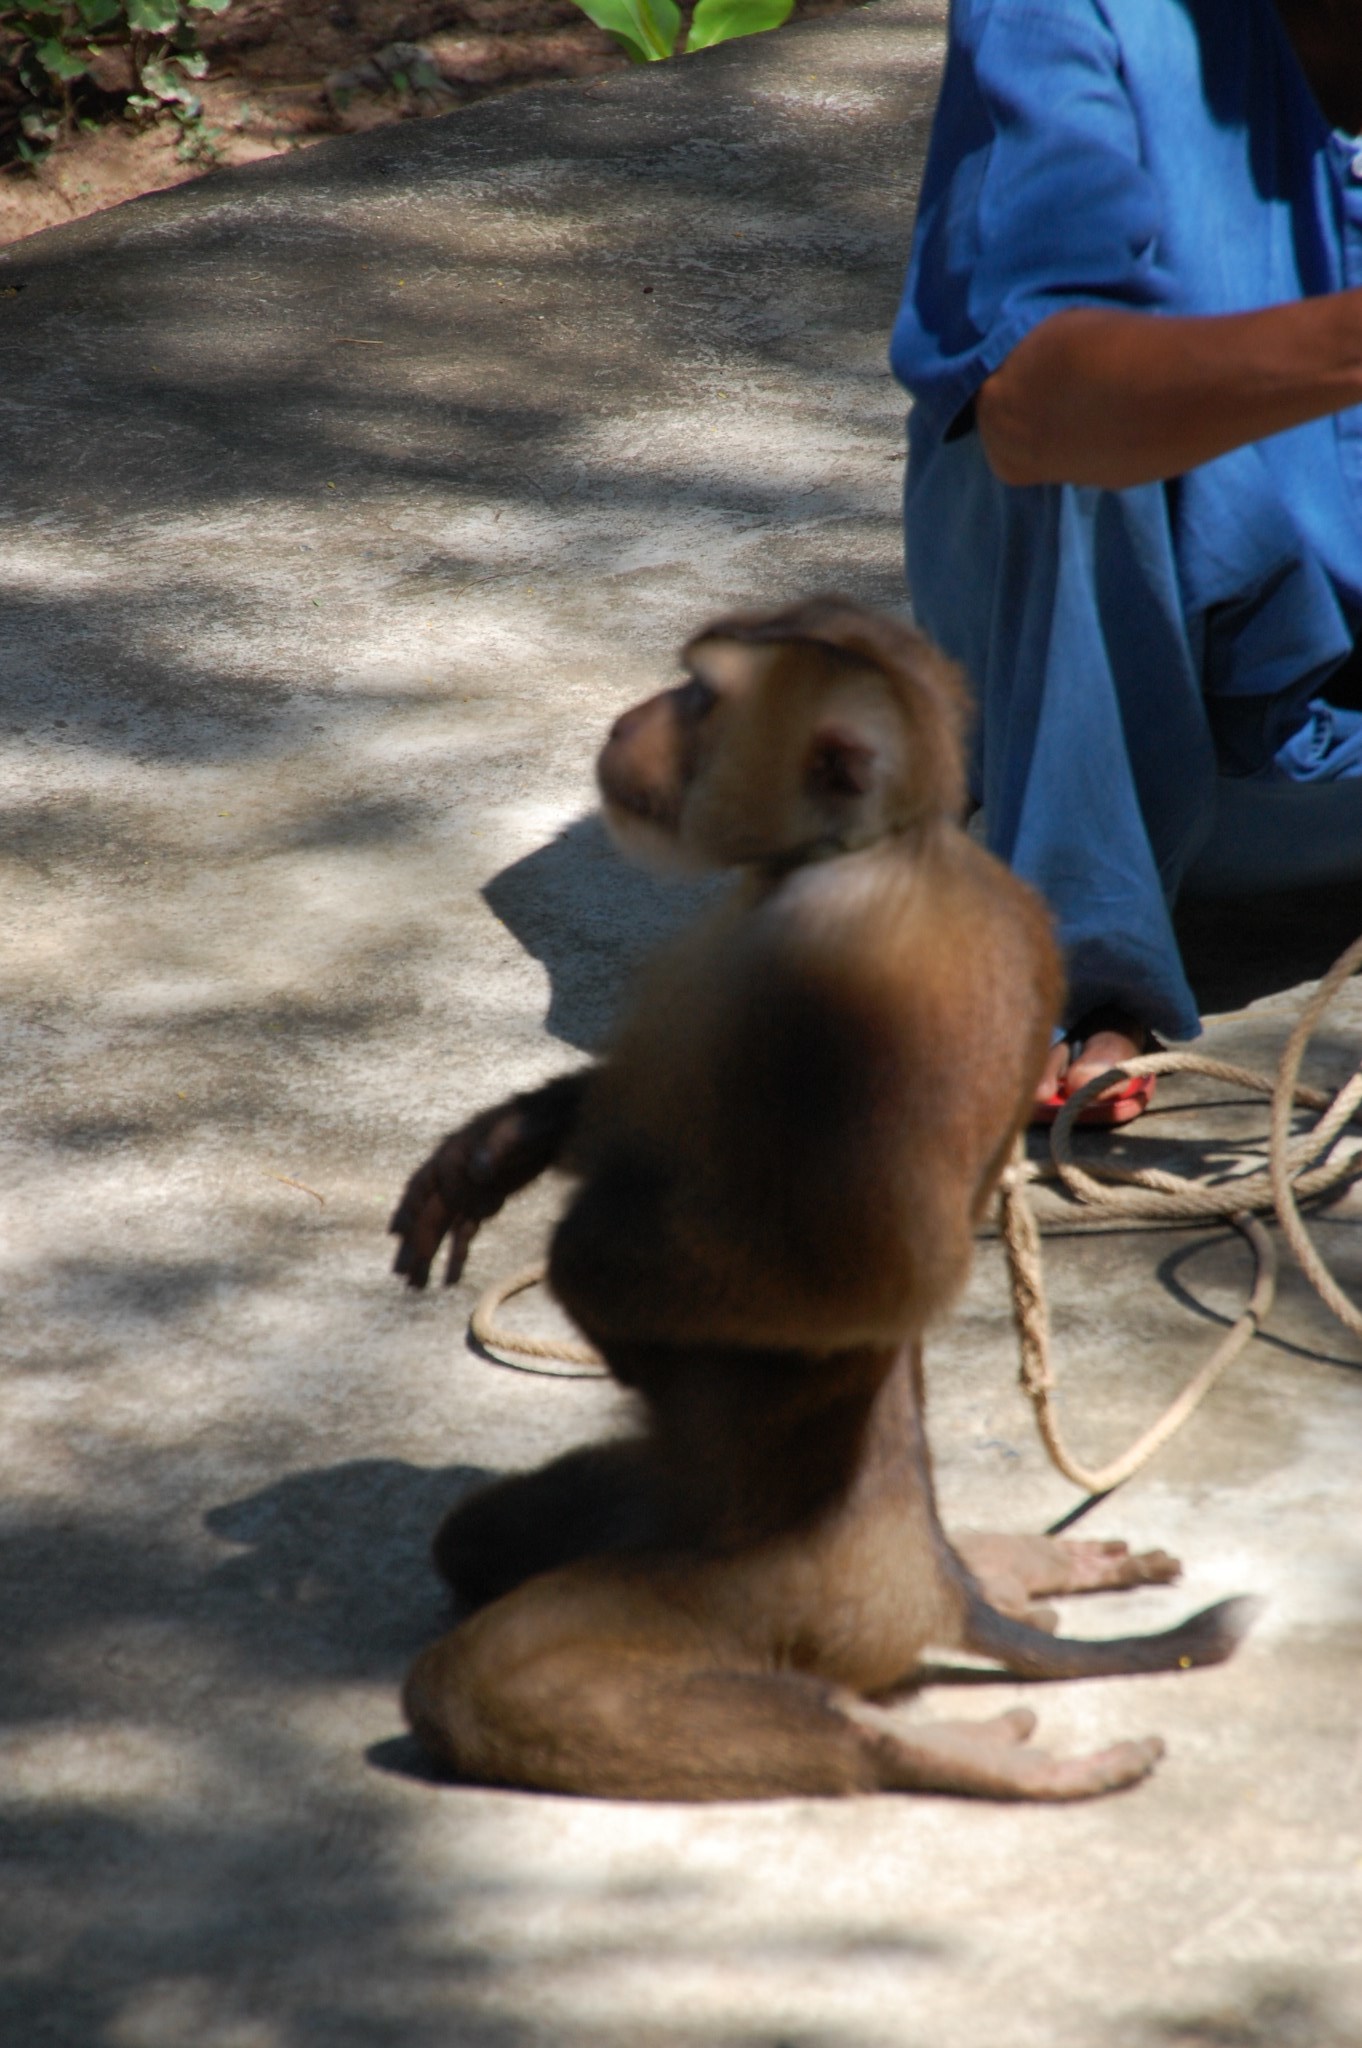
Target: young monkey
(781,1162)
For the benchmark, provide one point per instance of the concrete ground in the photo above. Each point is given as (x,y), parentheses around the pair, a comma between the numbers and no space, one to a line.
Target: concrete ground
(344,500)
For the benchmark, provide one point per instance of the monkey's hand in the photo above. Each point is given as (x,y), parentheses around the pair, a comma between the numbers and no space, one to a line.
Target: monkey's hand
(469,1176)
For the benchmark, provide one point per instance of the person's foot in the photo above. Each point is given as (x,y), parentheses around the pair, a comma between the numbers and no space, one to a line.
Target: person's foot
(1104,1038)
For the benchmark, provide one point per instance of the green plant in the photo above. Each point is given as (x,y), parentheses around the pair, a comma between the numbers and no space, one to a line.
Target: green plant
(649,30)
(54,49)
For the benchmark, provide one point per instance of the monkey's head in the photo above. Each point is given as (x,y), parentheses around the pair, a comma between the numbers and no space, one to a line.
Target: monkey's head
(815,729)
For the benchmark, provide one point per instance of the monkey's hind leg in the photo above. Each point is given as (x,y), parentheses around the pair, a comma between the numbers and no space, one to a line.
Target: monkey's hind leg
(597,1680)
(601,1680)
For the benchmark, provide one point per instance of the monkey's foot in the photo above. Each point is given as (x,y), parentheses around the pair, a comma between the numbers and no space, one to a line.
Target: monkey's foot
(989,1759)
(1012,1571)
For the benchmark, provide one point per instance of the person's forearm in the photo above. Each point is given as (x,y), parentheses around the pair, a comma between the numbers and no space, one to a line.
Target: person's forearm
(1092,396)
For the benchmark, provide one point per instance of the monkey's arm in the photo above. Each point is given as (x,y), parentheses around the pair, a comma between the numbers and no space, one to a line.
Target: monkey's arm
(472,1173)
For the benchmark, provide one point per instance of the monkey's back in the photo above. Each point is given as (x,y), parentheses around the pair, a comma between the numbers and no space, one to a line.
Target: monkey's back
(808,1103)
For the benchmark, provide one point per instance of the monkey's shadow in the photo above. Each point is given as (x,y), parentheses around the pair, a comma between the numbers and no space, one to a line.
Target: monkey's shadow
(333,1578)
(590,916)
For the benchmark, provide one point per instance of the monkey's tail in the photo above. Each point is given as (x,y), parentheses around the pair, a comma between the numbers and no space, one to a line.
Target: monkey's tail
(1206,1638)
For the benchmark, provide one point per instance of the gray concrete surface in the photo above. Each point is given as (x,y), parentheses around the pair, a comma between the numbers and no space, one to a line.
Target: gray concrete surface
(342,501)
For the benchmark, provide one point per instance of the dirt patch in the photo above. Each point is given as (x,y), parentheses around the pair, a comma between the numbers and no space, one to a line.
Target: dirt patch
(285,73)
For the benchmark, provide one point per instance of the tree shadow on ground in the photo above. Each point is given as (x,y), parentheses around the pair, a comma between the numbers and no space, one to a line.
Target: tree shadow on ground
(396,312)
(209,1867)
(1286,2015)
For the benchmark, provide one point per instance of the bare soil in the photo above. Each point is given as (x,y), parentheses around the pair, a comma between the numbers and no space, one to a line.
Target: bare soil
(286,73)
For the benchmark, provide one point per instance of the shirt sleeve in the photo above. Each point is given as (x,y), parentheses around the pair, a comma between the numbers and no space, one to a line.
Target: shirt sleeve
(1035,195)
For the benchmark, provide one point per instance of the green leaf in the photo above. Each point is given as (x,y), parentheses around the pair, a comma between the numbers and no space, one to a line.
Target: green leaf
(59,62)
(170,91)
(719,21)
(213,6)
(645,29)
(94,13)
(153,17)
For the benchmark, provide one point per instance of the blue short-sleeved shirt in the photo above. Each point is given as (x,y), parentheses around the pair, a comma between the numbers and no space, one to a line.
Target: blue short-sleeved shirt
(1163,156)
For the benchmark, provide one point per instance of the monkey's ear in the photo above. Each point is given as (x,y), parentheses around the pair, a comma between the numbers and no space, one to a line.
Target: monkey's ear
(840,763)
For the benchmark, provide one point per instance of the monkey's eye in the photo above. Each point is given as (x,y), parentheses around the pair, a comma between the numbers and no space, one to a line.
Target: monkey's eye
(693,699)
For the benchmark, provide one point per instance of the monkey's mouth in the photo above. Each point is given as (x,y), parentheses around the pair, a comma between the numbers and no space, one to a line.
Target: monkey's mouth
(645,828)
(642,804)
(635,799)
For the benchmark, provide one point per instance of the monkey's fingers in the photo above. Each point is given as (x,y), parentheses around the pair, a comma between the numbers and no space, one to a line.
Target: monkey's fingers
(447,1197)
(461,1235)
(421,1219)
(421,1224)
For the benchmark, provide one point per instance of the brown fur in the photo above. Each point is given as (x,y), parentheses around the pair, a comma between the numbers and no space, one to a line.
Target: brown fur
(781,1163)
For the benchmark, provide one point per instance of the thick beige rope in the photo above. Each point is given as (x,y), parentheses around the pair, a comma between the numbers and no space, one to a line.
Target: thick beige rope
(1022,1239)
(1148,1194)
(1283,1193)
(1115,1194)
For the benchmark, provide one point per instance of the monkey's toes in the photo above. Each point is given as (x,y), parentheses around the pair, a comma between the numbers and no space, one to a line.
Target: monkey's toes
(1126,1763)
(405,1260)
(460,1238)
(421,1229)
(410,1264)
(421,1220)
(1109,1564)
(1018,1724)
(1087,1777)
(1147,1568)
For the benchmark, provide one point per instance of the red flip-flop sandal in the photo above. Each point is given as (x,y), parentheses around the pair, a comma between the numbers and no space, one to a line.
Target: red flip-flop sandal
(1130,1100)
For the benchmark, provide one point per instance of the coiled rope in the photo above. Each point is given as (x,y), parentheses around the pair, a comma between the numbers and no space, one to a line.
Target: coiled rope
(1296,1169)
(548,1354)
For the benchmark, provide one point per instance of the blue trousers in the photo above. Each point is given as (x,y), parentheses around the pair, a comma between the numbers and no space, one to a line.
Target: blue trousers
(1132,703)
